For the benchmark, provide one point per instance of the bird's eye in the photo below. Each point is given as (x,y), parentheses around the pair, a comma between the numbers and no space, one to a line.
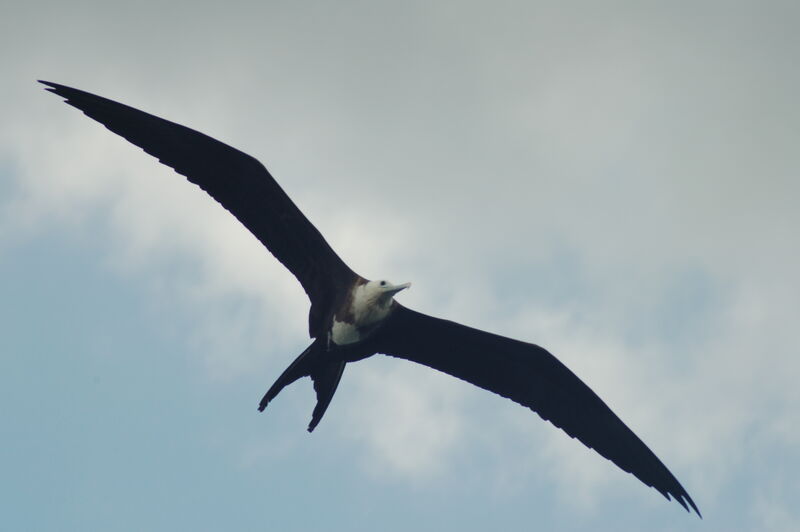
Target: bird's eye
(383,283)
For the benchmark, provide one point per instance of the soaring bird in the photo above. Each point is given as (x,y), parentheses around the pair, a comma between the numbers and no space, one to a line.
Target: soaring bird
(352,318)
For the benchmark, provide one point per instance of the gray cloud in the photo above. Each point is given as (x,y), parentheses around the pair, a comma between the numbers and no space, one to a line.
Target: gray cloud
(601,158)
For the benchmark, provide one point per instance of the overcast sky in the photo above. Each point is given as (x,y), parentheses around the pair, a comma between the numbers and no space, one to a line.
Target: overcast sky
(617,182)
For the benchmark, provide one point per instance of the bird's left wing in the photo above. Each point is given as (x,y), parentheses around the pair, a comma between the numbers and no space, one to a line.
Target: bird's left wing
(238,181)
(531,376)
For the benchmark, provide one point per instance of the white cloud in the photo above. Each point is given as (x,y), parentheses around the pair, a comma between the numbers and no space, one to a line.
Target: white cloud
(641,146)
(407,419)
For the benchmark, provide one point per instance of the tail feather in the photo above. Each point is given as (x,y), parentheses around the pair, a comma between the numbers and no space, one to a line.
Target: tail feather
(326,379)
(325,372)
(301,367)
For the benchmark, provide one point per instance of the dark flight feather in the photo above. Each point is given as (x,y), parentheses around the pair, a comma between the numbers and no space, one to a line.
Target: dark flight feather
(531,376)
(236,180)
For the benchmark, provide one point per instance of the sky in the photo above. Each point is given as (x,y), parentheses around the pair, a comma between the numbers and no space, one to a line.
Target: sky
(616,182)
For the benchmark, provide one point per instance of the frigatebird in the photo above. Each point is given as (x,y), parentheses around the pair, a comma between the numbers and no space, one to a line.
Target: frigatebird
(352,318)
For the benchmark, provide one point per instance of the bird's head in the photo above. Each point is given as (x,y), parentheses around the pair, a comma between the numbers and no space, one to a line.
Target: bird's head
(383,291)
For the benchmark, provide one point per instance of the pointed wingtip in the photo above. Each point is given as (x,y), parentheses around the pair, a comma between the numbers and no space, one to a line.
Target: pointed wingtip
(694,507)
(58,89)
(52,87)
(684,500)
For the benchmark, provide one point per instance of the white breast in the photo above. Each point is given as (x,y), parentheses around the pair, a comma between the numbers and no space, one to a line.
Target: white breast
(367,308)
(343,333)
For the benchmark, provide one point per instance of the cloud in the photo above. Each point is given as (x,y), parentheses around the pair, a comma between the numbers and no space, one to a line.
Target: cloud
(557,175)
(407,419)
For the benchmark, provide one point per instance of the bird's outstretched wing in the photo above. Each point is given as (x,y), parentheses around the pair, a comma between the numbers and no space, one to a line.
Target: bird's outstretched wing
(531,376)
(238,181)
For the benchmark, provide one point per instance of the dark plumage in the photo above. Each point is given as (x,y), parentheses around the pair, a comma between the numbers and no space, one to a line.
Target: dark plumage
(352,318)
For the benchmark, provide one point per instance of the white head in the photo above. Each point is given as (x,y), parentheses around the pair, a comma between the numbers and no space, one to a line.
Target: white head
(371,303)
(381,292)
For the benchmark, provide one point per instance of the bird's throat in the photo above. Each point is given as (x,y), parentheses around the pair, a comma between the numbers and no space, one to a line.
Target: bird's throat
(359,316)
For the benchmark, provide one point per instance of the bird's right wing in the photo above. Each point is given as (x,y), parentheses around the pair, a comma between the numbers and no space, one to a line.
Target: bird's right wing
(238,181)
(531,376)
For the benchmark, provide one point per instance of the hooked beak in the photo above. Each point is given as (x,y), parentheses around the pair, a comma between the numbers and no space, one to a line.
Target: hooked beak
(392,290)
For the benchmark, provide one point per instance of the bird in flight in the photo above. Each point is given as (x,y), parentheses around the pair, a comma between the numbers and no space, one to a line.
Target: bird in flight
(352,318)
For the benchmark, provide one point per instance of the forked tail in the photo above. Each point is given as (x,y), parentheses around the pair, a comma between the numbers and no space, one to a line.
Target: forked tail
(325,371)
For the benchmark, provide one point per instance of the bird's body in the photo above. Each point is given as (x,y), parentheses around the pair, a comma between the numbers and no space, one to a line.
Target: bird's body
(352,318)
(367,305)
